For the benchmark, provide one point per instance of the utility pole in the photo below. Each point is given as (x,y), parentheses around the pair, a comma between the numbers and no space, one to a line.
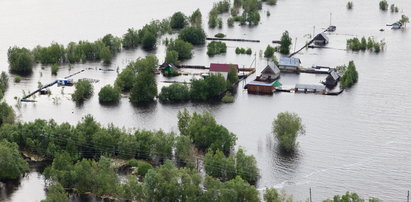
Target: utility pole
(408,196)
(295,44)
(311,200)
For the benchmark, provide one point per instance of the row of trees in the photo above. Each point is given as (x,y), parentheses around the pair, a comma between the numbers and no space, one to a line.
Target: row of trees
(355,44)
(4,84)
(350,75)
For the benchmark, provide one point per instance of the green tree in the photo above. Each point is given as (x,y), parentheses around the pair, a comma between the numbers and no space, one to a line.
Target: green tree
(350,197)
(246,166)
(350,75)
(83,91)
(12,163)
(56,193)
(269,51)
(285,43)
(125,79)
(4,84)
(130,39)
(183,123)
(109,94)
(185,150)
(286,127)
(234,190)
(350,5)
(216,47)
(20,59)
(232,76)
(216,164)
(196,18)
(144,88)
(105,54)
(176,92)
(404,20)
(172,57)
(7,114)
(149,40)
(182,48)
(54,69)
(383,5)
(208,88)
(178,20)
(193,35)
(143,168)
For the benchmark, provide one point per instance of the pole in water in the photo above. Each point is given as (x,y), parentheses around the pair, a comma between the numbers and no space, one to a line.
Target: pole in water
(311,200)
(408,196)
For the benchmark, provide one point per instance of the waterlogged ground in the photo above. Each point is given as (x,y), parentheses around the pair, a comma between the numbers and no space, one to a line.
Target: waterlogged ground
(357,141)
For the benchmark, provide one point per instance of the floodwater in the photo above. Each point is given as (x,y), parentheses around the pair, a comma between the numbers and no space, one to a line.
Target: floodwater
(358,141)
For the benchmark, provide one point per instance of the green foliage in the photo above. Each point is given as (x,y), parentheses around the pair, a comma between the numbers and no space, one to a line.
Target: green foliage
(193,35)
(240,50)
(172,57)
(12,163)
(272,2)
(54,54)
(286,127)
(234,190)
(195,18)
(285,43)
(178,20)
(230,22)
(350,5)
(56,193)
(248,51)
(219,35)
(216,47)
(228,98)
(184,149)
(4,84)
(383,5)
(183,48)
(149,41)
(83,91)
(176,92)
(221,7)
(105,55)
(125,79)
(350,76)
(183,122)
(269,51)
(356,44)
(212,20)
(404,19)
(271,195)
(54,69)
(207,134)
(20,59)
(143,168)
(350,197)
(130,39)
(144,88)
(109,94)
(208,88)
(7,114)
(232,76)
(17,79)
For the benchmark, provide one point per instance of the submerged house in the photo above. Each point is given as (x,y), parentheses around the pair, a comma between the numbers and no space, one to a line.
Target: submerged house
(65,82)
(332,79)
(321,39)
(266,82)
(397,25)
(289,64)
(222,69)
(270,73)
(169,70)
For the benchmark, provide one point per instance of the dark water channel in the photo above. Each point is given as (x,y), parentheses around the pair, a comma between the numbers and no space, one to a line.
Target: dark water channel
(357,141)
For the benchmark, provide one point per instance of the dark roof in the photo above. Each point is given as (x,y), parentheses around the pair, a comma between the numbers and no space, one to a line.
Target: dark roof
(321,36)
(215,67)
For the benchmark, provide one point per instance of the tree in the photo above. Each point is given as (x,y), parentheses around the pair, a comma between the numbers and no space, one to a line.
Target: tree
(350,5)
(246,166)
(176,92)
(172,57)
(193,35)
(184,119)
(285,43)
(54,69)
(12,164)
(269,51)
(56,193)
(144,88)
(404,20)
(130,39)
(83,91)
(208,88)
(232,76)
(109,94)
(182,48)
(149,40)
(383,5)
(348,197)
(350,75)
(4,84)
(286,127)
(105,54)
(217,165)
(20,59)
(195,18)
(7,114)
(234,190)
(216,47)
(178,20)
(125,79)
(185,150)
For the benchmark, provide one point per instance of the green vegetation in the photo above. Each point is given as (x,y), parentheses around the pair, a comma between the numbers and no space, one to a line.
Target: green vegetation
(149,41)
(208,88)
(350,197)
(178,20)
(20,59)
(54,69)
(271,195)
(17,79)
(350,75)
(130,39)
(7,115)
(356,44)
(286,127)
(54,54)
(109,94)
(205,133)
(232,76)
(105,55)
(12,163)
(218,8)
(227,168)
(285,43)
(172,57)
(383,5)
(193,35)
(183,49)
(404,20)
(125,79)
(228,98)
(216,47)
(350,5)
(83,91)
(394,9)
(269,51)
(4,84)
(272,2)
(248,51)
(230,22)
(219,35)
(195,18)
(176,92)
(144,88)
(56,193)
(239,50)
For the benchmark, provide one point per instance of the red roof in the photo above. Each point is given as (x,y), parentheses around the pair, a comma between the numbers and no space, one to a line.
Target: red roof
(214,67)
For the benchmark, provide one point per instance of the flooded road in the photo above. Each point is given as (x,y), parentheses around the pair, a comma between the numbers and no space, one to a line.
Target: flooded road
(358,141)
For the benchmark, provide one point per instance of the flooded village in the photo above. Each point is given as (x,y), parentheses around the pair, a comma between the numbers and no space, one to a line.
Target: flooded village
(126,100)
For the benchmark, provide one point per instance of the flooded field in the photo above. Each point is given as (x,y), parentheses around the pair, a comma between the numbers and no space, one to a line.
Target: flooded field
(358,141)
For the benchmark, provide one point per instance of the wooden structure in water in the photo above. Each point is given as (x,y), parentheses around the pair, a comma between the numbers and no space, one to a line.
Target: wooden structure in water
(226,39)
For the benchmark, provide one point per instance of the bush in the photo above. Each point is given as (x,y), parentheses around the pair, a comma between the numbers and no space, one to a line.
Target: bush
(183,49)
(208,88)
(356,44)
(249,51)
(393,8)
(350,76)
(195,18)
(178,20)
(4,83)
(83,91)
(144,88)
(143,168)
(54,69)
(7,114)
(230,22)
(383,5)
(56,193)
(12,163)
(20,59)
(219,35)
(285,43)
(350,197)
(125,79)
(109,94)
(17,79)
(232,76)
(130,39)
(149,41)
(176,92)
(286,127)
(172,57)
(269,51)
(228,98)
(105,55)
(216,47)
(193,35)
(350,5)
(240,50)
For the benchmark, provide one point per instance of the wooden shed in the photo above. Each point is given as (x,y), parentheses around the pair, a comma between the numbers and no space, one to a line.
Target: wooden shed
(259,87)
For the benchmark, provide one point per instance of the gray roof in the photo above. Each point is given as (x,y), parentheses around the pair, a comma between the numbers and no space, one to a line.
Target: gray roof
(321,36)
(291,62)
(334,75)
(310,87)
(271,68)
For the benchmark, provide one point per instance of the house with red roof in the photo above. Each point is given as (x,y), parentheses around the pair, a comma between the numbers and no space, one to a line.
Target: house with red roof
(223,69)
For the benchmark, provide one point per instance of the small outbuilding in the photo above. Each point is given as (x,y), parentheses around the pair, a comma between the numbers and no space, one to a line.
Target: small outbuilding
(169,70)
(321,39)
(260,87)
(270,73)
(65,82)
(222,69)
(332,79)
(289,64)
